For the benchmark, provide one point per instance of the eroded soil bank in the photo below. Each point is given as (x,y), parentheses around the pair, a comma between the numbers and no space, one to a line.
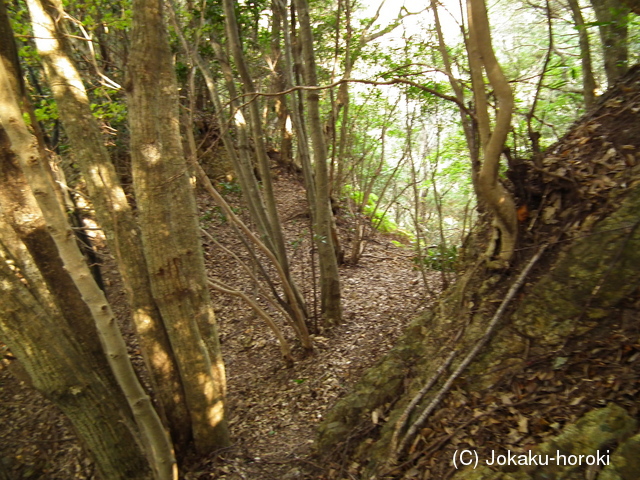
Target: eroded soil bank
(567,341)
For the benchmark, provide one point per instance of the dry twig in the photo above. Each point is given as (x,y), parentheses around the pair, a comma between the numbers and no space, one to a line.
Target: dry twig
(467,360)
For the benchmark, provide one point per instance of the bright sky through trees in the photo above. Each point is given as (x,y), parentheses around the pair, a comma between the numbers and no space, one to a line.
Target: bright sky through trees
(414,24)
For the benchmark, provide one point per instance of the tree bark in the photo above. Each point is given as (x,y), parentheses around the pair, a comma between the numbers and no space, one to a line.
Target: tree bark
(331,306)
(169,225)
(612,20)
(297,111)
(22,208)
(58,370)
(468,125)
(588,81)
(489,189)
(112,210)
(152,434)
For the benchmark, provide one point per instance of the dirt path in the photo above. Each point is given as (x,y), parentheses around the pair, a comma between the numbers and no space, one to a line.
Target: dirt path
(274,410)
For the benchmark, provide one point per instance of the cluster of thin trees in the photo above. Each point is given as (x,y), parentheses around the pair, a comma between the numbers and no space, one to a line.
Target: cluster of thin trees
(53,314)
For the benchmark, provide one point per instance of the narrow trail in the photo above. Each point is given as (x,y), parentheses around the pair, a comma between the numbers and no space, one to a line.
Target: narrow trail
(273,410)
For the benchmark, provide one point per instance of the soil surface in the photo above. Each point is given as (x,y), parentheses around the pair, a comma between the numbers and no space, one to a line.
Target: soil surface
(273,409)
(580,180)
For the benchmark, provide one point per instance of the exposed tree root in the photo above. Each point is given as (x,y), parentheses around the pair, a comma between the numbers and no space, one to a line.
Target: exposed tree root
(398,447)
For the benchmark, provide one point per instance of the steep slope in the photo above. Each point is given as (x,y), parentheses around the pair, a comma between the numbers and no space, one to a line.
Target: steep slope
(547,341)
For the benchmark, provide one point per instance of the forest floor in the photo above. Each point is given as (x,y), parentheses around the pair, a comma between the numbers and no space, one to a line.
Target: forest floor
(273,409)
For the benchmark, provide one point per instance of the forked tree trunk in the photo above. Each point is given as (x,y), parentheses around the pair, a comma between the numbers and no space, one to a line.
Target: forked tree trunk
(169,225)
(255,123)
(297,116)
(490,191)
(112,210)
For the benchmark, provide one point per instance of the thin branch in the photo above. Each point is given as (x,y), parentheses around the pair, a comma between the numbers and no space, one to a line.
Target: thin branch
(284,345)
(257,283)
(469,358)
(395,81)
(298,315)
(402,421)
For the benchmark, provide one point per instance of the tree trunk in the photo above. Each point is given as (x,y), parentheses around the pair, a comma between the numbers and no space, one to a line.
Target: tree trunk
(465,116)
(112,210)
(233,39)
(612,24)
(91,399)
(490,190)
(278,85)
(240,159)
(588,81)
(274,226)
(169,225)
(297,111)
(58,369)
(330,302)
(24,145)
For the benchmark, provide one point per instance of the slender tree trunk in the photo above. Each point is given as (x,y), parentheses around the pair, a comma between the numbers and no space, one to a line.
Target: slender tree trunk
(233,38)
(274,225)
(69,357)
(417,215)
(362,222)
(297,110)
(169,225)
(437,200)
(588,81)
(240,158)
(291,69)
(465,118)
(112,210)
(344,104)
(278,85)
(331,306)
(489,189)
